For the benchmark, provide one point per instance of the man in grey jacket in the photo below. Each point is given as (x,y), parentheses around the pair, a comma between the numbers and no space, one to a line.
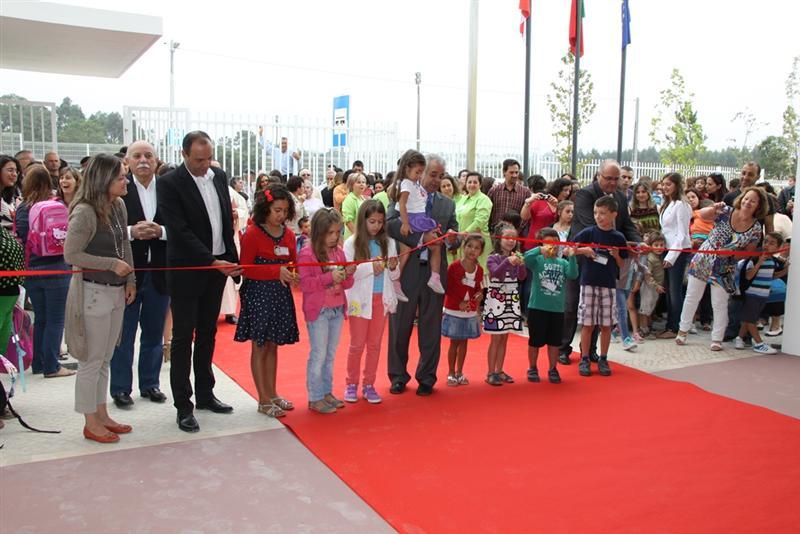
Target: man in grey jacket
(420,296)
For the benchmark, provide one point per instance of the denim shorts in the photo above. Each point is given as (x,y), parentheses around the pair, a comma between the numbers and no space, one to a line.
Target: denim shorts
(460,327)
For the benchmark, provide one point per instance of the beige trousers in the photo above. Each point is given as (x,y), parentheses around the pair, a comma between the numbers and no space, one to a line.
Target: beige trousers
(103,309)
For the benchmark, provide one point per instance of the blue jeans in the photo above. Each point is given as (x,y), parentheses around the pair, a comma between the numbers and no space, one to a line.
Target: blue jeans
(48,295)
(622,313)
(675,291)
(149,309)
(323,335)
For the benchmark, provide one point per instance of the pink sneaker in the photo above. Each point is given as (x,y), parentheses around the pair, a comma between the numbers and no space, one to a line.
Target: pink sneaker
(351,393)
(370,395)
(435,284)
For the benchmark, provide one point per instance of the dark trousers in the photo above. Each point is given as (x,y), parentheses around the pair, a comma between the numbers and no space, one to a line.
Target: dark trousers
(194,318)
(429,333)
(675,291)
(734,307)
(148,310)
(704,310)
(48,295)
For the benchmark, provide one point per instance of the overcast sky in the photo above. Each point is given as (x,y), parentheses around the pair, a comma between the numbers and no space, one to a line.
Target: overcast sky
(293,57)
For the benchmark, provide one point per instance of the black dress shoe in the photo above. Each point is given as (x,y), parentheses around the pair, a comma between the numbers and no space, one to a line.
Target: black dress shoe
(188,423)
(154,394)
(397,388)
(215,405)
(424,390)
(122,400)
(231,319)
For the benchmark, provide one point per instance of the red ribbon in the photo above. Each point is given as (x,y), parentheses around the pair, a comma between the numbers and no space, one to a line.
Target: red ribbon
(640,249)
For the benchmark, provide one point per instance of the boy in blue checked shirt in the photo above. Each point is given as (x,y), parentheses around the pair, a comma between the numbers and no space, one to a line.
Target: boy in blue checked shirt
(760,272)
(597,306)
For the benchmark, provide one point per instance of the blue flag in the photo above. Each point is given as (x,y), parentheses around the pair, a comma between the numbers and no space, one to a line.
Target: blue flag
(626,24)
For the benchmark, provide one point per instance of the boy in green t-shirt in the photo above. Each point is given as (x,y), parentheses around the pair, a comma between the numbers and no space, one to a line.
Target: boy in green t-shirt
(546,305)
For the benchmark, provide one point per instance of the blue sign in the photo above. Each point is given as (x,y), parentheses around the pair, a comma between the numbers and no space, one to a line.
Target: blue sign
(341,120)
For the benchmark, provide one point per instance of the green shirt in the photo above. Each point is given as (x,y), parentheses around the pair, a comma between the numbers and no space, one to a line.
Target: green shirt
(548,282)
(383,198)
(350,211)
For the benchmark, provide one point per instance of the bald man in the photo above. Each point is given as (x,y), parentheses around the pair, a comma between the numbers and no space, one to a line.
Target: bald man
(148,242)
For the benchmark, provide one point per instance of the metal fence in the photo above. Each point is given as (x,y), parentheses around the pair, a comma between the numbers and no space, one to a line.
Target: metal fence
(242,142)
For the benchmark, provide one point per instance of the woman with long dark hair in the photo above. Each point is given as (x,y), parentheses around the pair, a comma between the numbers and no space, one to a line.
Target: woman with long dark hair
(97,241)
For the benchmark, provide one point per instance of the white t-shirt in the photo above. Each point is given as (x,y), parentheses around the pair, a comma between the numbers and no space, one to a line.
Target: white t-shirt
(417,196)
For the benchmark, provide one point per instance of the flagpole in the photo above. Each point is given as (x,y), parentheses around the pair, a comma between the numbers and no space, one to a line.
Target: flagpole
(575,95)
(621,103)
(527,131)
(472,85)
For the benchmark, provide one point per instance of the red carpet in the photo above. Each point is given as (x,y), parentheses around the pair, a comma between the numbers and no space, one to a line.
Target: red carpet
(631,452)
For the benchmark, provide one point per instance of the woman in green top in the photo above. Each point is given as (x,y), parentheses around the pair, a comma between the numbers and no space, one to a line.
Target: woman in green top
(356,185)
(473,213)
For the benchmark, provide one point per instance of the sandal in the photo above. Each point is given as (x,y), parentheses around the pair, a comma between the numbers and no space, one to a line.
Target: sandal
(680,339)
(493,379)
(462,380)
(505,378)
(61,372)
(321,406)
(716,346)
(282,403)
(452,380)
(271,410)
(333,401)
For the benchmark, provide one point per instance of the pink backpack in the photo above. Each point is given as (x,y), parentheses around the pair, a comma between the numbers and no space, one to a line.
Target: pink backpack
(48,228)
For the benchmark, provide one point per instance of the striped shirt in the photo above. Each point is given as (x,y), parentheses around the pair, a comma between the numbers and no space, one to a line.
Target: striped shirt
(762,282)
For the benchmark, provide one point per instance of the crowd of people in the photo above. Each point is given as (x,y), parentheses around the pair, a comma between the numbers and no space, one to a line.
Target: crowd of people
(458,256)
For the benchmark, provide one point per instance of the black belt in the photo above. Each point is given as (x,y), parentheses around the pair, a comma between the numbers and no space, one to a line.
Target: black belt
(423,262)
(104,283)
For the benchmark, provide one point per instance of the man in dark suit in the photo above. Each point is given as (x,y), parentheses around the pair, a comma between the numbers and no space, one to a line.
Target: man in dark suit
(607,182)
(420,296)
(196,207)
(148,241)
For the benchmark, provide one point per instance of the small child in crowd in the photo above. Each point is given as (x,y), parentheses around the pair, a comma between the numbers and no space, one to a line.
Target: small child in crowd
(653,284)
(643,207)
(324,305)
(565,210)
(759,273)
(546,305)
(597,304)
(304,223)
(267,317)
(501,309)
(460,317)
(625,284)
(370,299)
(412,200)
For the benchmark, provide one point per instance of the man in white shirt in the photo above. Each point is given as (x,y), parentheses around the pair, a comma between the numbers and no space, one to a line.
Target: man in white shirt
(284,159)
(148,242)
(196,206)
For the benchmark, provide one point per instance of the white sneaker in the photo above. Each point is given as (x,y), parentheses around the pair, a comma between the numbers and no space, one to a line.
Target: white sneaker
(772,333)
(763,348)
(436,285)
(629,344)
(738,343)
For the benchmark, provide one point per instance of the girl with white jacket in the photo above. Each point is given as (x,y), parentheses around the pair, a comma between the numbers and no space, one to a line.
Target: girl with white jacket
(675,217)
(371,297)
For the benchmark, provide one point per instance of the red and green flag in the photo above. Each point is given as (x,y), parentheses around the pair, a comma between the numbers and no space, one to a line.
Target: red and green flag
(573,15)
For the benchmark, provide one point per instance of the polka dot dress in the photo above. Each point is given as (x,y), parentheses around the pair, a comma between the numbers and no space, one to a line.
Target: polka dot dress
(12,258)
(268,312)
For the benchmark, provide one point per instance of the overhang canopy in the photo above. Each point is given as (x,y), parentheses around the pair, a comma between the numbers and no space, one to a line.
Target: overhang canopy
(62,39)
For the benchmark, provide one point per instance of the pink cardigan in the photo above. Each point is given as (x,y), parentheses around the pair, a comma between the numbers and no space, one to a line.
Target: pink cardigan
(314,282)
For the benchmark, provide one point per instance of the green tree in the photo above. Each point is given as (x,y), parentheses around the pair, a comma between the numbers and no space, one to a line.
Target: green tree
(559,103)
(68,114)
(112,125)
(675,128)
(775,155)
(791,121)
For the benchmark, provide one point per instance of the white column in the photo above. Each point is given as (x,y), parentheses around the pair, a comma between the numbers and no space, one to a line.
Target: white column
(791,320)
